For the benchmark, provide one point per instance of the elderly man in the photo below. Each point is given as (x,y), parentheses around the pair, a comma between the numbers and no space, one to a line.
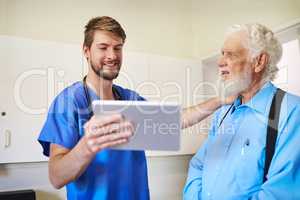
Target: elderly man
(235,162)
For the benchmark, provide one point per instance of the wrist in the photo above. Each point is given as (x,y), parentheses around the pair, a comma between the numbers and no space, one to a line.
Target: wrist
(83,149)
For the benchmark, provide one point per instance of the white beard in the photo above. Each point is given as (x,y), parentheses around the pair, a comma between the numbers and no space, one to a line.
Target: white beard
(234,86)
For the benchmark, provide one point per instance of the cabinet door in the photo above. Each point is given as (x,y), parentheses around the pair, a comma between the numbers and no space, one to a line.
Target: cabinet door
(33,72)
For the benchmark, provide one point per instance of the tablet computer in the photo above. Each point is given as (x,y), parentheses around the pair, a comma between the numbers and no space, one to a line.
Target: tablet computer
(158,125)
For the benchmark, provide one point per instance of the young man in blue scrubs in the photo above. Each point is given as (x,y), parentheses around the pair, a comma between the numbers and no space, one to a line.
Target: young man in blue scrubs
(231,163)
(77,142)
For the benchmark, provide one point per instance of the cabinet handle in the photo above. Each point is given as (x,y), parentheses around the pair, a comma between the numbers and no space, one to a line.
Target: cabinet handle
(7,138)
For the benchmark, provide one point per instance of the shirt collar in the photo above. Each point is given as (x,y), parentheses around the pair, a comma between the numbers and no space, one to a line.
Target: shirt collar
(262,99)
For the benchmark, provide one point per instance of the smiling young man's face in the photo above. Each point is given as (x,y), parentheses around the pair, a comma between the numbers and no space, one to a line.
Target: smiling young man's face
(235,67)
(105,54)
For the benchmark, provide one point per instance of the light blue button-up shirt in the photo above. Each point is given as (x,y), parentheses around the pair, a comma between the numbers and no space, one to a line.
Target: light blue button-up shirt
(230,164)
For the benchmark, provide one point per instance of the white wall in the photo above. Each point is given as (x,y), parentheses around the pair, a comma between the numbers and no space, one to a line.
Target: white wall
(190,28)
(211,19)
(160,27)
(3,17)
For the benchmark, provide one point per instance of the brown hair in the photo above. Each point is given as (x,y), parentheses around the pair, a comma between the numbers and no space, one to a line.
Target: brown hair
(103,23)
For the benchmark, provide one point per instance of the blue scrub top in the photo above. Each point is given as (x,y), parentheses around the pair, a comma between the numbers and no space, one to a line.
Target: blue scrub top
(113,174)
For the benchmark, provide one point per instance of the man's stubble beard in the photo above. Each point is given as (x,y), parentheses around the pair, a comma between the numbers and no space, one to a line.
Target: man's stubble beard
(106,75)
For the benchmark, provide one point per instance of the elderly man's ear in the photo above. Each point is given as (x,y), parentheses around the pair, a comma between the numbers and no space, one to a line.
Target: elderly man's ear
(261,62)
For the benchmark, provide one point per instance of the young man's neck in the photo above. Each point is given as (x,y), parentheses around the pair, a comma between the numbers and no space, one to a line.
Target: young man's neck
(102,87)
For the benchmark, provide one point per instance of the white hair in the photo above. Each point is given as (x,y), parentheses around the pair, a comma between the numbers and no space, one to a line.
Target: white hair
(261,39)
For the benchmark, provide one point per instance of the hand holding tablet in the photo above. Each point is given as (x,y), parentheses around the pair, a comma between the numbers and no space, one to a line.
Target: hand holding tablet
(157,125)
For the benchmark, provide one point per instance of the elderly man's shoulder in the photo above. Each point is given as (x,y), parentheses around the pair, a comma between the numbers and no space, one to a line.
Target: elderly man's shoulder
(291,100)
(290,105)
